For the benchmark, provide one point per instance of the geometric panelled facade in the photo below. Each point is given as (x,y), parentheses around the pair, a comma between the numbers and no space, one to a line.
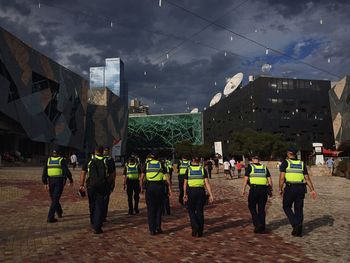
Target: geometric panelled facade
(339,97)
(164,130)
(45,101)
(107,118)
(297,108)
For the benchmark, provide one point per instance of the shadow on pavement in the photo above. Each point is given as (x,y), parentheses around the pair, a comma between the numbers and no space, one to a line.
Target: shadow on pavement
(326,220)
(227,225)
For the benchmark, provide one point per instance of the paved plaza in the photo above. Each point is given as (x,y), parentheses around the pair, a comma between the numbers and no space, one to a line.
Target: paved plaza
(26,237)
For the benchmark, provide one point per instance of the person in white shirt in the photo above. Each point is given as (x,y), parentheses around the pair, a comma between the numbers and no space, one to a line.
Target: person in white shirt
(233,166)
(74,160)
(227,169)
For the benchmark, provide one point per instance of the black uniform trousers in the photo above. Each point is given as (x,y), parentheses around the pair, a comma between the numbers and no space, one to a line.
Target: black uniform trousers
(181,188)
(56,185)
(195,206)
(133,190)
(154,200)
(294,194)
(166,200)
(257,199)
(97,207)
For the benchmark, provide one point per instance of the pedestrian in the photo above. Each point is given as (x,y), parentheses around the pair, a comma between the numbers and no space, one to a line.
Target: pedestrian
(131,174)
(294,175)
(330,165)
(169,166)
(181,170)
(111,179)
(209,165)
(155,174)
(216,163)
(166,199)
(227,169)
(232,166)
(54,176)
(258,177)
(195,183)
(97,176)
(74,160)
(239,169)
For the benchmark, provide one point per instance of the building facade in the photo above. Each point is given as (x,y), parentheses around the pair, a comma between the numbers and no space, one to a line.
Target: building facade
(339,97)
(110,76)
(297,108)
(154,132)
(41,102)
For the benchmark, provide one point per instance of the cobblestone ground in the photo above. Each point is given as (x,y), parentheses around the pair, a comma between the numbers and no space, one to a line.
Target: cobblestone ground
(26,237)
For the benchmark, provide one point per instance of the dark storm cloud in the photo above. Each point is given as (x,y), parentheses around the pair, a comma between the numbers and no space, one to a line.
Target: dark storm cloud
(78,35)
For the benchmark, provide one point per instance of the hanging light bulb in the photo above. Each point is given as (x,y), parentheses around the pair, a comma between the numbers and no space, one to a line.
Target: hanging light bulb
(111,23)
(39,5)
(155,86)
(215,83)
(231,38)
(154,102)
(329,60)
(160,3)
(321,22)
(225,54)
(267,51)
(145,73)
(167,55)
(162,64)
(256,31)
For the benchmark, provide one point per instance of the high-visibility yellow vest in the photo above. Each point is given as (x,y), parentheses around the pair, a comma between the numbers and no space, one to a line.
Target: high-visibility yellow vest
(154,171)
(295,171)
(54,167)
(195,176)
(258,174)
(169,165)
(183,167)
(132,172)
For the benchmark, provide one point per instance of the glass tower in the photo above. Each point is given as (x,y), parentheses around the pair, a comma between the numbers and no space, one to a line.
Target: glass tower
(110,76)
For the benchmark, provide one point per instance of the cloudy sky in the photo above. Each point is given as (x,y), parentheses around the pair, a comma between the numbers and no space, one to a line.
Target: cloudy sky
(205,41)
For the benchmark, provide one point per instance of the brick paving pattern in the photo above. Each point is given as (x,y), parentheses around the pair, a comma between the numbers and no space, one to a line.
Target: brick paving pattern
(26,237)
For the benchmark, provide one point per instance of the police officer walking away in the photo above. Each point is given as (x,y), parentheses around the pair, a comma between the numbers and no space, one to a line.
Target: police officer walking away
(293,173)
(181,170)
(259,179)
(97,175)
(196,178)
(111,180)
(54,177)
(154,173)
(132,172)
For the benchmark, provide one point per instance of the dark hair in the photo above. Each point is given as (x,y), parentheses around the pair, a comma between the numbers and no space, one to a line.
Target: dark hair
(99,149)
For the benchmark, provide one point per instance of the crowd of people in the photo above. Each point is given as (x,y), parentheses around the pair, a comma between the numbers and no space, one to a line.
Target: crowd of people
(153,177)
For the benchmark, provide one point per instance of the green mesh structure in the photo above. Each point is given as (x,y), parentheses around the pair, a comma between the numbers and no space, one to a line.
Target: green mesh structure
(163,131)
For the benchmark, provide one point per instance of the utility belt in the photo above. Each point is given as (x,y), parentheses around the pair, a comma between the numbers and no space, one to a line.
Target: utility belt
(148,183)
(288,184)
(258,186)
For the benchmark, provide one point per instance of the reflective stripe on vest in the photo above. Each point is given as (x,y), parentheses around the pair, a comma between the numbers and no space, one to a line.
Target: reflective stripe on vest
(183,167)
(258,174)
(54,166)
(295,171)
(195,176)
(154,171)
(169,165)
(132,172)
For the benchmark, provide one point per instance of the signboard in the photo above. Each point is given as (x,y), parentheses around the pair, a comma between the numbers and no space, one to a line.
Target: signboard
(218,150)
(117,148)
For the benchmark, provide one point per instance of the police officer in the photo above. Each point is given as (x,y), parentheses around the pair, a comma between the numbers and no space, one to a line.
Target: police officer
(195,179)
(181,169)
(259,179)
(169,166)
(166,200)
(294,175)
(54,177)
(132,172)
(97,174)
(111,180)
(154,173)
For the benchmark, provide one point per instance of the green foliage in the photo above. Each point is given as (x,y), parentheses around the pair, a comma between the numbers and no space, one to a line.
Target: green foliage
(186,148)
(250,142)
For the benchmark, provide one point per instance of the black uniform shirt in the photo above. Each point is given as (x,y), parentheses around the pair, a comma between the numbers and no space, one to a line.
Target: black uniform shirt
(65,171)
(204,176)
(284,165)
(249,170)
